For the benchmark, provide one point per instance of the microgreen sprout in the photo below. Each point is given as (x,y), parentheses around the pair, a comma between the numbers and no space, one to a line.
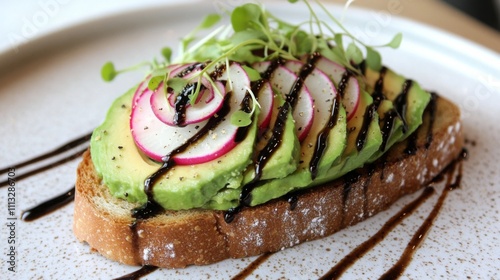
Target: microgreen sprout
(241,118)
(253,35)
(109,72)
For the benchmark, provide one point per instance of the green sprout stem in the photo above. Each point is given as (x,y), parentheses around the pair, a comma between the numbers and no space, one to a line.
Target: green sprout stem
(254,28)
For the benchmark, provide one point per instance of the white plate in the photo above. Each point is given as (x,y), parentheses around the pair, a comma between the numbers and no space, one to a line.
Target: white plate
(51,92)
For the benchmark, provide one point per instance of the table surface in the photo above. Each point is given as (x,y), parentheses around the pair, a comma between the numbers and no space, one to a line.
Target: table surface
(23,20)
(437,14)
(56,73)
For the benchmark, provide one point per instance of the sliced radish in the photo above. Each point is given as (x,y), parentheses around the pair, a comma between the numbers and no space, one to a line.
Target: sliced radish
(186,69)
(152,136)
(206,95)
(323,93)
(265,97)
(282,80)
(157,139)
(140,90)
(209,101)
(351,95)
(174,70)
(261,67)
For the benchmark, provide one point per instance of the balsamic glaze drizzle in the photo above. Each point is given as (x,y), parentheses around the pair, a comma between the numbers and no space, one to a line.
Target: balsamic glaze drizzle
(264,155)
(349,179)
(432,108)
(387,127)
(356,254)
(181,102)
(379,86)
(190,69)
(277,135)
(344,82)
(397,269)
(246,106)
(269,71)
(401,103)
(252,267)
(152,208)
(322,138)
(411,147)
(418,237)
(58,202)
(273,144)
(61,149)
(304,72)
(367,119)
(388,121)
(292,199)
(48,206)
(143,271)
(377,96)
(51,165)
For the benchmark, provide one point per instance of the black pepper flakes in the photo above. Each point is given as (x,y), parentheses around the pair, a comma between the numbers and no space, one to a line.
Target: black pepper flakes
(120,147)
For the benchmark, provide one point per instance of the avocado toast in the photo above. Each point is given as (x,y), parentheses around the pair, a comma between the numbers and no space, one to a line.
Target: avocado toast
(192,185)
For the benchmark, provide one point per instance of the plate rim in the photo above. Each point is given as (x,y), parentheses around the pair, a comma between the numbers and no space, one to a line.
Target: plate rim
(271,3)
(467,47)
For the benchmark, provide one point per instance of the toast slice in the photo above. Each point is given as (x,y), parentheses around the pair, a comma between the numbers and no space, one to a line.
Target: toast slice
(177,239)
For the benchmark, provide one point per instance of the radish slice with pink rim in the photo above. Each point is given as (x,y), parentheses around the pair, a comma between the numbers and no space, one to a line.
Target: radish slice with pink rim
(282,80)
(265,97)
(156,139)
(351,94)
(140,90)
(209,101)
(174,69)
(323,93)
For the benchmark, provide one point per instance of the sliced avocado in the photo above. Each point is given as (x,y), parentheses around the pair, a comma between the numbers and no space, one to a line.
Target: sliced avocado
(224,199)
(300,178)
(285,159)
(123,168)
(408,100)
(365,118)
(218,184)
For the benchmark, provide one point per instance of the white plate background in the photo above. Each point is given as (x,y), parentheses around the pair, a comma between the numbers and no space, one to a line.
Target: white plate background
(51,91)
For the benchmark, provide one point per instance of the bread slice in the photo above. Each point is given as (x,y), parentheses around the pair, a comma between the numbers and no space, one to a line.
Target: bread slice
(177,239)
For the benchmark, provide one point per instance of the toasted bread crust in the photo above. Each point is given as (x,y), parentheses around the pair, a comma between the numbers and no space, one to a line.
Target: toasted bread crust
(181,238)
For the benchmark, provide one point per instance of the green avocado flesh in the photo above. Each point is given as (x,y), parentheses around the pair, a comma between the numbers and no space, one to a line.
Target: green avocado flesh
(282,162)
(285,160)
(301,177)
(123,168)
(416,102)
(353,158)
(218,184)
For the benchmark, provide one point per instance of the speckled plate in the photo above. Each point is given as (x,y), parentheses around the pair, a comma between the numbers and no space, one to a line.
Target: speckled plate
(51,91)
